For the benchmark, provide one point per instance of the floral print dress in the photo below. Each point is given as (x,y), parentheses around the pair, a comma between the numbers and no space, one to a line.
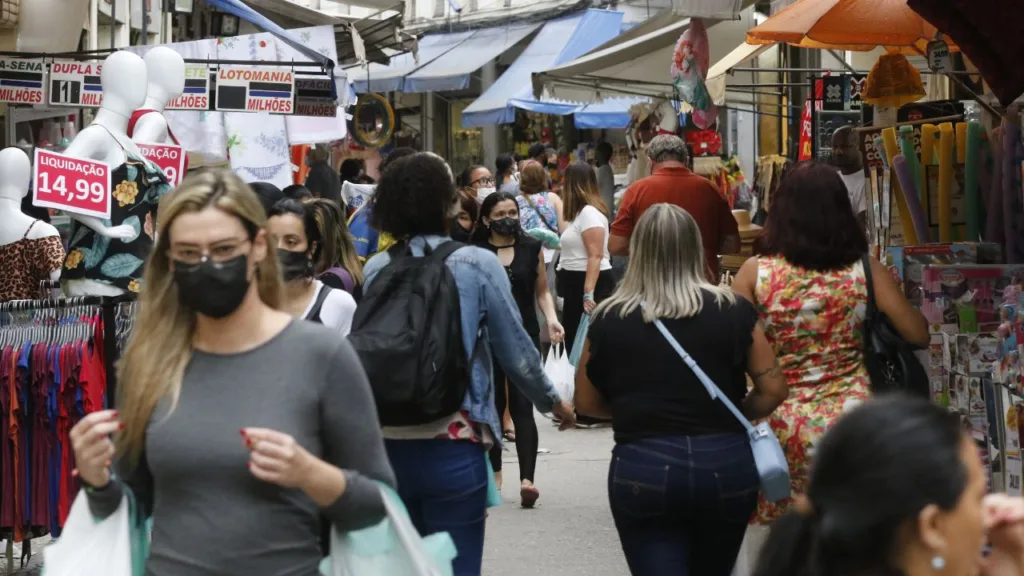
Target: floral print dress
(815,322)
(138,187)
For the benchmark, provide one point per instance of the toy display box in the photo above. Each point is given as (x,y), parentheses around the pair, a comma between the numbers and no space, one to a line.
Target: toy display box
(969,298)
(907,262)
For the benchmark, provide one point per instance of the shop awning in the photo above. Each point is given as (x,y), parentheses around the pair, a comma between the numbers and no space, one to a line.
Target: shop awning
(720,70)
(638,66)
(558,41)
(390,78)
(453,69)
(239,9)
(610,114)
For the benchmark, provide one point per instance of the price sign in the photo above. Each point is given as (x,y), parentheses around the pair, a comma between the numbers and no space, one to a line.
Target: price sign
(76,84)
(21,81)
(255,90)
(71,184)
(170,159)
(939,59)
(197,90)
(313,98)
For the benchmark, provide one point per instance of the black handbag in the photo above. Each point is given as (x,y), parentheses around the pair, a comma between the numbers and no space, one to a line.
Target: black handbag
(890,360)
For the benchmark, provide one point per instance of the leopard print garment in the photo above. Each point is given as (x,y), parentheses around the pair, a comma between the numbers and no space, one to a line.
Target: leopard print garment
(27,262)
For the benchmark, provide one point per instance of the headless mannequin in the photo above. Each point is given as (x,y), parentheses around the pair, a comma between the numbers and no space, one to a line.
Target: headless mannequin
(106,140)
(15,177)
(166,70)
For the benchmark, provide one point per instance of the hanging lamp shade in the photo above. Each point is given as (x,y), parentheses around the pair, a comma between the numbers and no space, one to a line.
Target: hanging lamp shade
(859,25)
(893,81)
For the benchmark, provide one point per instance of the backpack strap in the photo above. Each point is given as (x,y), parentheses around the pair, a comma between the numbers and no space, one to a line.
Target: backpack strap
(318,304)
(444,250)
(347,282)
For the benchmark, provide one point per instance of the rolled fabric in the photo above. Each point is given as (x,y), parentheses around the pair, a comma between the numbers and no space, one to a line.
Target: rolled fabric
(972,199)
(947,138)
(903,172)
(929,138)
(909,151)
(961,142)
(1011,185)
(892,150)
(994,230)
(880,146)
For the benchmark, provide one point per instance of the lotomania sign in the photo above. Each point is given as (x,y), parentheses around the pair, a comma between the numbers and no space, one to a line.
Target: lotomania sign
(255,90)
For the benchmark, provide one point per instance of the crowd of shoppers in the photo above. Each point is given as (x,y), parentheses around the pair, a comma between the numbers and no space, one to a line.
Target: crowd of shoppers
(205,434)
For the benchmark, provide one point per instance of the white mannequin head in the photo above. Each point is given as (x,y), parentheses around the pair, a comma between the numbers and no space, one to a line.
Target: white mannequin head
(15,174)
(166,69)
(124,88)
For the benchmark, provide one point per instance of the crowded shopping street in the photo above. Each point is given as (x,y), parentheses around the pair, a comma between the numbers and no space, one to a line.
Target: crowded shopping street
(511,288)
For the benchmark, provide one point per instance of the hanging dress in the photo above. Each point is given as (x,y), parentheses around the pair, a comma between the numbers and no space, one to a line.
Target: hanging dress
(138,186)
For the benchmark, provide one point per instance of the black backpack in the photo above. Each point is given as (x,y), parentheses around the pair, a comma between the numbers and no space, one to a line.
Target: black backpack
(407,331)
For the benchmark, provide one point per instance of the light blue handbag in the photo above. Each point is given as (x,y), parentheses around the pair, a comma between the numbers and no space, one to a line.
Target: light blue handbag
(392,547)
(581,338)
(768,457)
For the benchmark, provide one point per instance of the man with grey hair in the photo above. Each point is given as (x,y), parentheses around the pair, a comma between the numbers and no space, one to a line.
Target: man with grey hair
(671,182)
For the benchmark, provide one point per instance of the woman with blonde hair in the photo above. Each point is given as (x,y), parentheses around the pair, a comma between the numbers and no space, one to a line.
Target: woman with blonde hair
(233,467)
(338,264)
(682,482)
(585,266)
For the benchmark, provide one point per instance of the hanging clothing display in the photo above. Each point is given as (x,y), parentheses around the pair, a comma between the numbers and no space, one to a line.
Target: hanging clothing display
(138,187)
(770,170)
(27,262)
(54,369)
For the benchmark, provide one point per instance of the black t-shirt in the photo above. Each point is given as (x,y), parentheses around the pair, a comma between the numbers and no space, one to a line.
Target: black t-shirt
(522,273)
(651,391)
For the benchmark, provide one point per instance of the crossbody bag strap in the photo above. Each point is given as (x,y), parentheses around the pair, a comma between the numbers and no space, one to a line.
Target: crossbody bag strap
(543,220)
(715,392)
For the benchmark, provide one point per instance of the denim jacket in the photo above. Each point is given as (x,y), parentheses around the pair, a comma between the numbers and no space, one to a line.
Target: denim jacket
(489,316)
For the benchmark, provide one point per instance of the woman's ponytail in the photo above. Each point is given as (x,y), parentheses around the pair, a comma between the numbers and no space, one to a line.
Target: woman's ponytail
(789,547)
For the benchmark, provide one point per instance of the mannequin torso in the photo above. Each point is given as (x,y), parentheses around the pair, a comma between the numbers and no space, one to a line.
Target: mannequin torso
(30,250)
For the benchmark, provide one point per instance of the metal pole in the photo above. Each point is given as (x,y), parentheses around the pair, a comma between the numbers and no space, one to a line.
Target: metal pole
(145,23)
(113,23)
(814,118)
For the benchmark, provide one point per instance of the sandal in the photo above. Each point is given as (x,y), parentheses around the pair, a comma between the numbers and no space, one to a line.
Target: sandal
(528,496)
(509,435)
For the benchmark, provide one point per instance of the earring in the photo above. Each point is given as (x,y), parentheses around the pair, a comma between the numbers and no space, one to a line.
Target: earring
(938,562)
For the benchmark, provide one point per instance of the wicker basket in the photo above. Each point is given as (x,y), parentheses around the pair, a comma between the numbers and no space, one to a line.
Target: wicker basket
(9,14)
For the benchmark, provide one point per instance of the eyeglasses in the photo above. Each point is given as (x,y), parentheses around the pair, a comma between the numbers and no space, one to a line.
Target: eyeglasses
(486,181)
(220,253)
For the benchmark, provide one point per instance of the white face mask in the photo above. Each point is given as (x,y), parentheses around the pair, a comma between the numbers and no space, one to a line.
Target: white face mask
(482,193)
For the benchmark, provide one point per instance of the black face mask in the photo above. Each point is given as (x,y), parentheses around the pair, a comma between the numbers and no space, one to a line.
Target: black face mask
(505,226)
(212,289)
(294,265)
(460,234)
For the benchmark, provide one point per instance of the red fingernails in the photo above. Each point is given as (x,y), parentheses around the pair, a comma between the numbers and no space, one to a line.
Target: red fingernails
(249,463)
(106,464)
(115,414)
(74,473)
(248,442)
(120,426)
(242,431)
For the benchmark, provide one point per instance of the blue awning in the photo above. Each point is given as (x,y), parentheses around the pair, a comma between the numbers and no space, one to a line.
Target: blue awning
(558,42)
(237,8)
(608,114)
(390,78)
(453,70)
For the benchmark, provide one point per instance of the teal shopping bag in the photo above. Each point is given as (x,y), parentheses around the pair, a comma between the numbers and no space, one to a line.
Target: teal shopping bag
(580,341)
(392,547)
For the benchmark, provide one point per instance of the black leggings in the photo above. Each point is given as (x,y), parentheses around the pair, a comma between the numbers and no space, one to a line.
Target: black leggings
(571,291)
(521,411)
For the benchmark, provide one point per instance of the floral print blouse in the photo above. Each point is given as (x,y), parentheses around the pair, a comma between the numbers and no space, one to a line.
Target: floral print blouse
(138,187)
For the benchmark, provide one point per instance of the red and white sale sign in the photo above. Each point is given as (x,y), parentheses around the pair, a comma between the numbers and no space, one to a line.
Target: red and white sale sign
(71,184)
(168,157)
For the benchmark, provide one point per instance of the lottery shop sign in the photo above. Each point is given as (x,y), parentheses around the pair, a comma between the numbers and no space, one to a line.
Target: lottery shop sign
(71,184)
(21,81)
(196,95)
(76,84)
(255,90)
(170,159)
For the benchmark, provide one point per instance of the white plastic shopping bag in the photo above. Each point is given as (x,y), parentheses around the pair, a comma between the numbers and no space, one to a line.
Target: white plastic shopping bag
(88,547)
(391,548)
(560,371)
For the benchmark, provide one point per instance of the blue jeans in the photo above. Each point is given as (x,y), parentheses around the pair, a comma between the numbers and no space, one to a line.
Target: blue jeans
(681,503)
(443,483)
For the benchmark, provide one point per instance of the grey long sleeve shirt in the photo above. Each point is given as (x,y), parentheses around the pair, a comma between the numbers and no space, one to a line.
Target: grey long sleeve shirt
(210,515)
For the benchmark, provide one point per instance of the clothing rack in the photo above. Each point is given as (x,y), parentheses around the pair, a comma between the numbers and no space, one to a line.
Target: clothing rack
(39,496)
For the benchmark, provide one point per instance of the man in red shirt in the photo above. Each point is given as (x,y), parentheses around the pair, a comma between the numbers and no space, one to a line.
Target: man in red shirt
(671,182)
